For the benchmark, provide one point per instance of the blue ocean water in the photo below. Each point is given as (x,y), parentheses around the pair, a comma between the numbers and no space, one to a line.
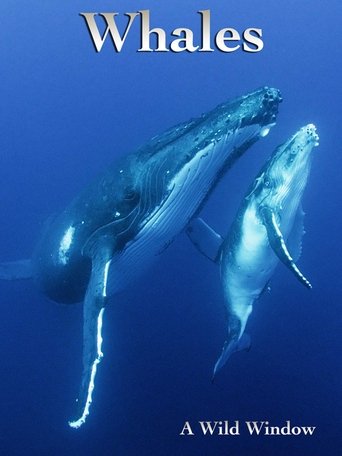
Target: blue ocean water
(66,113)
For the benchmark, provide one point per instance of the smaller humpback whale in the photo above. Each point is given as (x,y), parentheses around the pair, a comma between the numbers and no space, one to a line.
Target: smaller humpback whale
(113,230)
(268,228)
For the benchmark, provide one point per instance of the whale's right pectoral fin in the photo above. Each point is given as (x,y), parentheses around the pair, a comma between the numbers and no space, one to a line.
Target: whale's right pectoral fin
(93,309)
(205,239)
(278,245)
(16,270)
(294,241)
(230,347)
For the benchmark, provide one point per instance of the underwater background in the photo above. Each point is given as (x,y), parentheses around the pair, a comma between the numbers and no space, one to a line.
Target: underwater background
(66,113)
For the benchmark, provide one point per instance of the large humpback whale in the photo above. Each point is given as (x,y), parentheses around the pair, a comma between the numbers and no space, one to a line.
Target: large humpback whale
(116,227)
(268,228)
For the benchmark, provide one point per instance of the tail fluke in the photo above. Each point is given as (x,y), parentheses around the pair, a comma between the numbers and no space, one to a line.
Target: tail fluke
(16,270)
(235,345)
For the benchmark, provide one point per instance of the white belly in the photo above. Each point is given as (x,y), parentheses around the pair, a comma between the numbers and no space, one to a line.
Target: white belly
(248,265)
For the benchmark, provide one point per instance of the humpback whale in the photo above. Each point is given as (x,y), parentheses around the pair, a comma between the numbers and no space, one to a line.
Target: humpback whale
(113,230)
(268,227)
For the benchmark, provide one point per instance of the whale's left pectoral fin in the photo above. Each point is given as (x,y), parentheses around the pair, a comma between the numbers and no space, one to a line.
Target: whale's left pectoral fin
(278,245)
(93,309)
(204,238)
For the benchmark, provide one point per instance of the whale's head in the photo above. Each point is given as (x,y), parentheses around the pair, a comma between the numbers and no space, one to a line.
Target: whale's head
(292,160)
(286,174)
(224,133)
(260,106)
(257,109)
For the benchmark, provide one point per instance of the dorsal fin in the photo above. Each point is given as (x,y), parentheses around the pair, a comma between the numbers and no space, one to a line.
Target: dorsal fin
(278,245)
(204,238)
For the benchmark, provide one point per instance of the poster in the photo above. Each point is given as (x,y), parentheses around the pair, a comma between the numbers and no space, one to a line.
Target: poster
(67,112)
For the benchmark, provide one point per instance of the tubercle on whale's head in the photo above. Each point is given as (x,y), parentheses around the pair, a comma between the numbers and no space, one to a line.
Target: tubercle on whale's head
(296,152)
(306,137)
(261,106)
(286,174)
(257,109)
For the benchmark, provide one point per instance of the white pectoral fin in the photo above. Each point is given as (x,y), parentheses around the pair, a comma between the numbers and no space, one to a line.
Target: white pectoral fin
(295,238)
(16,270)
(278,245)
(204,238)
(93,310)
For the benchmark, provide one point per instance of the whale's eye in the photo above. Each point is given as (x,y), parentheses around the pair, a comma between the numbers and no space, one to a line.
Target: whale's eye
(267,182)
(130,194)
